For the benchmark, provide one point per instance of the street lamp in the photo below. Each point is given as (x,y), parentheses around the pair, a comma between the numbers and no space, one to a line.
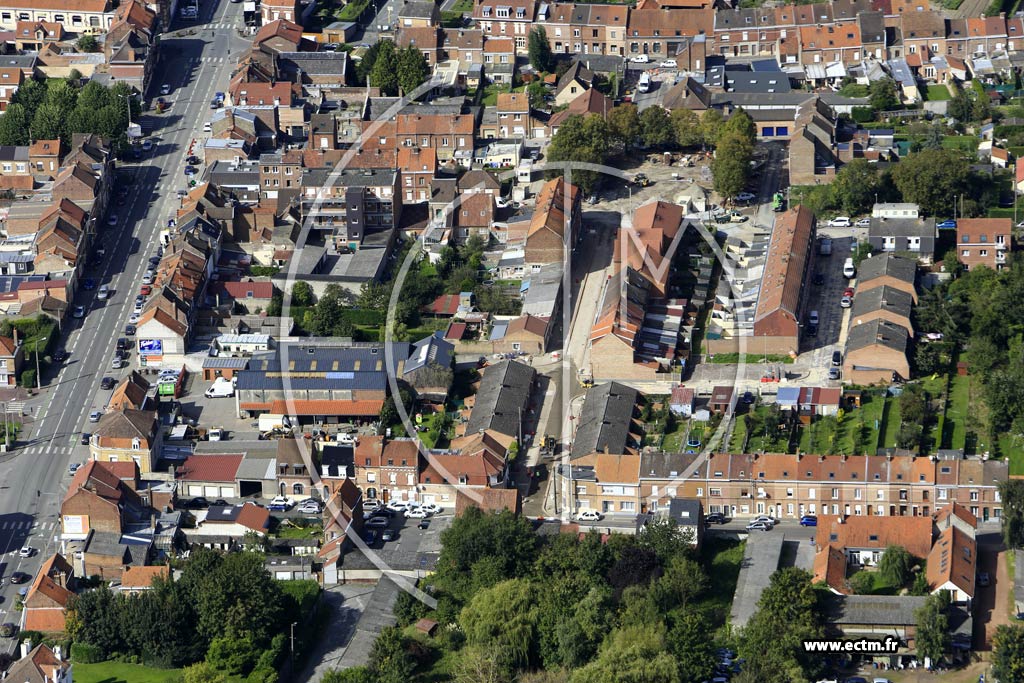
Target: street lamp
(38,377)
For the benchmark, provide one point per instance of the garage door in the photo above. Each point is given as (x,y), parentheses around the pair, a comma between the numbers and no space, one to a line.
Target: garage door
(195,490)
(227,491)
(781,131)
(768,132)
(283,576)
(212,491)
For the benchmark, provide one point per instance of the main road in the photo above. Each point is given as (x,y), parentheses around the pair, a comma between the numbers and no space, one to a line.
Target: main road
(196,61)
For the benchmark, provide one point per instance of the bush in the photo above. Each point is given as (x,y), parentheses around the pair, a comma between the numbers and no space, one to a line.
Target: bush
(862,114)
(862,583)
(263,271)
(28,378)
(84,653)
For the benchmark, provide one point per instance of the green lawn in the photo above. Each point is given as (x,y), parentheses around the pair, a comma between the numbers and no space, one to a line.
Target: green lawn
(954,430)
(117,672)
(721,560)
(462,6)
(750,358)
(965,143)
(890,423)
(938,92)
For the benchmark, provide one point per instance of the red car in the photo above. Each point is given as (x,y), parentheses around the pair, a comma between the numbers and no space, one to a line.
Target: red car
(145,290)
(848,292)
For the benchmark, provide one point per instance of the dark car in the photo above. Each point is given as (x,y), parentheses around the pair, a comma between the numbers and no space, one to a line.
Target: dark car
(808,520)
(8,630)
(837,358)
(88,283)
(812,330)
(370,536)
(123,343)
(198,503)
(388,535)
(221,502)
(60,355)
(748,397)
(715,518)
(86,436)
(382,512)
(20,577)
(107,383)
(424,523)
(129,330)
(819,279)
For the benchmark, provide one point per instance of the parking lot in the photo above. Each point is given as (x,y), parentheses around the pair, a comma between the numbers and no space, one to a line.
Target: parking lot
(413,549)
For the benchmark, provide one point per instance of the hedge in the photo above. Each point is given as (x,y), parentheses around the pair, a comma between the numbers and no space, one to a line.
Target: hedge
(84,653)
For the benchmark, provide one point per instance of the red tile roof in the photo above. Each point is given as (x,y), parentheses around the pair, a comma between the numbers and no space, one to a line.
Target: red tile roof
(953,559)
(242,290)
(219,468)
(142,577)
(913,533)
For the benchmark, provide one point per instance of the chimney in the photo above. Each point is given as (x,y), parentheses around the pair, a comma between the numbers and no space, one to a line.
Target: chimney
(57,653)
(26,647)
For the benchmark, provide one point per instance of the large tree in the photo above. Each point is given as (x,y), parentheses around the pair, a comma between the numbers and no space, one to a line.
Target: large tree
(787,615)
(1012,494)
(503,618)
(539,50)
(741,123)
(384,73)
(883,94)
(933,627)
(694,651)
(656,127)
(1008,653)
(389,657)
(624,125)
(14,126)
(580,139)
(730,168)
(855,187)
(413,70)
(896,565)
(932,178)
(686,127)
(632,654)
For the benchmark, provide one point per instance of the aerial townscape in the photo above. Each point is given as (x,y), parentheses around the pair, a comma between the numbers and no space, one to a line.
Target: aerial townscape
(511,341)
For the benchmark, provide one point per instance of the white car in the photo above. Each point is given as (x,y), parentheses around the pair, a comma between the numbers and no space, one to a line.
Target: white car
(589,516)
(766,519)
(863,223)
(432,508)
(416,513)
(133,318)
(279,503)
(668,64)
(746,197)
(78,312)
(640,59)
(840,222)
(103,293)
(310,508)
(813,318)
(26,551)
(397,506)
(165,89)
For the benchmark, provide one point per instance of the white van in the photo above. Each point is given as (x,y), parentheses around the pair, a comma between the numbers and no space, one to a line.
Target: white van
(645,82)
(848,269)
(222,387)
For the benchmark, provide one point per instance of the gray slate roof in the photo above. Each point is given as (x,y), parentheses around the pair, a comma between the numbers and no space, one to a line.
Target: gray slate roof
(882,298)
(685,511)
(880,332)
(432,349)
(336,365)
(886,264)
(902,227)
(504,390)
(880,610)
(605,420)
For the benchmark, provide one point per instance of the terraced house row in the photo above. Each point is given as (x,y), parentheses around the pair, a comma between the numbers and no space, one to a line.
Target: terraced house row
(845,31)
(783,485)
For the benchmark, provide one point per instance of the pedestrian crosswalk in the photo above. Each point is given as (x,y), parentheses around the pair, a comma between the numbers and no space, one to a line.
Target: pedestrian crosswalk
(26,525)
(49,450)
(195,61)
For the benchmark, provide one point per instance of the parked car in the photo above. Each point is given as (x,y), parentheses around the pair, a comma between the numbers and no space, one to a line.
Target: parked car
(812,330)
(108,383)
(840,222)
(834,373)
(589,516)
(117,363)
(813,318)
(808,520)
(112,220)
(104,293)
(377,522)
(388,535)
(86,436)
(759,526)
(848,291)
(846,302)
(668,64)
(219,502)
(279,504)
(60,355)
(95,416)
(26,551)
(837,358)
(746,197)
(983,578)
(370,536)
(424,523)
(198,503)
(78,312)
(819,279)
(165,89)
(130,329)
(416,513)
(432,508)
(640,59)
(863,223)
(20,577)
(766,519)
(312,508)
(397,505)
(8,630)
(74,467)
(714,518)
(947,225)
(748,397)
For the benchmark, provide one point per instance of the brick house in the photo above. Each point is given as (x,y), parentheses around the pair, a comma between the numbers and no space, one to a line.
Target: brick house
(883,303)
(48,597)
(984,242)
(887,270)
(98,499)
(876,352)
(547,237)
(128,435)
(386,470)
(12,357)
(293,477)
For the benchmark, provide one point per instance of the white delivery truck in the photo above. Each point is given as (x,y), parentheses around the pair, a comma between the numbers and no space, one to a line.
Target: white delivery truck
(269,422)
(645,82)
(848,269)
(222,387)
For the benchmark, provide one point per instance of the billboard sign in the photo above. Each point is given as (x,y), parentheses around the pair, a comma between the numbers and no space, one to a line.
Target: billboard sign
(151,347)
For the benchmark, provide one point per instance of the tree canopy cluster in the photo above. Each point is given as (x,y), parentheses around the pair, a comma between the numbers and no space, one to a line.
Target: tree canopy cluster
(59,108)
(516,606)
(224,609)
(396,71)
(932,178)
(980,314)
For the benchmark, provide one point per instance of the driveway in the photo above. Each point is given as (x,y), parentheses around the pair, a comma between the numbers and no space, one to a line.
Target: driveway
(345,605)
(992,602)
